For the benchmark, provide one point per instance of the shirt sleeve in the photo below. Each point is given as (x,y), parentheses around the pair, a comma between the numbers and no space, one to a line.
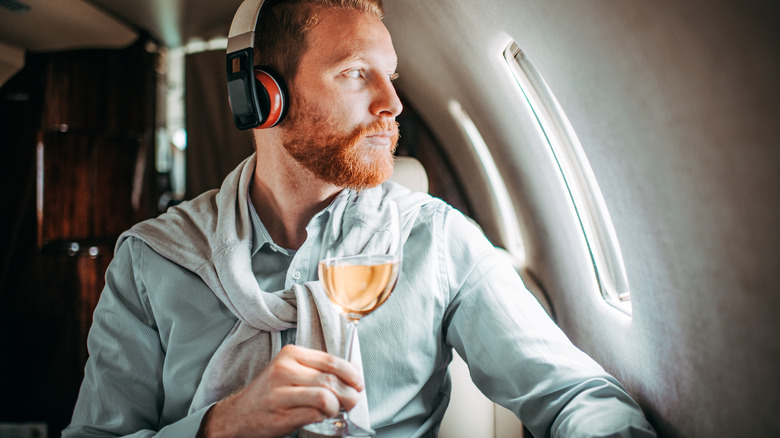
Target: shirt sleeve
(122,392)
(516,354)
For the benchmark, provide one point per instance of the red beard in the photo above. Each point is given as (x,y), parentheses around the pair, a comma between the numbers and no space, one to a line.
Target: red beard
(344,160)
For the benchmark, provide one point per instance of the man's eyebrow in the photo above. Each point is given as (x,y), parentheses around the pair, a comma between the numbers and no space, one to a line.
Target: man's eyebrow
(351,56)
(347,57)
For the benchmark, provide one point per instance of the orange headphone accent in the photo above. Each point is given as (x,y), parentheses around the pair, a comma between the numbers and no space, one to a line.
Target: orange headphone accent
(276,98)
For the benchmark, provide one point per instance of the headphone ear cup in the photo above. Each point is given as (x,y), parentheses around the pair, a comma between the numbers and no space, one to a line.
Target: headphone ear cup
(272,98)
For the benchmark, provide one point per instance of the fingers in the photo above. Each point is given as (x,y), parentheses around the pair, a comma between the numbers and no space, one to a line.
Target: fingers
(320,401)
(303,416)
(233,416)
(323,377)
(344,394)
(299,386)
(328,364)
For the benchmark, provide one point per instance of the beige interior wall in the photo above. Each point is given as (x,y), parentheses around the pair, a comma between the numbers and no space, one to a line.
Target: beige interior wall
(676,106)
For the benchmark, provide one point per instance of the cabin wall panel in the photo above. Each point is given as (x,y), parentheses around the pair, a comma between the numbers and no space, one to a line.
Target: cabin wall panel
(118,184)
(65,87)
(67,187)
(432,71)
(683,145)
(95,170)
(676,107)
(99,91)
(89,185)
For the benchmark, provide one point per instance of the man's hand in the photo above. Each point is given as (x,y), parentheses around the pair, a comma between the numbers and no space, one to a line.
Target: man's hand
(299,386)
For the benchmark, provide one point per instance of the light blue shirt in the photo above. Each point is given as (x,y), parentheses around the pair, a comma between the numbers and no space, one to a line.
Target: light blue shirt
(157,325)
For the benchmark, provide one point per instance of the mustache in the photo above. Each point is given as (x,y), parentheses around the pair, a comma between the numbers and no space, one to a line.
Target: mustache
(382,126)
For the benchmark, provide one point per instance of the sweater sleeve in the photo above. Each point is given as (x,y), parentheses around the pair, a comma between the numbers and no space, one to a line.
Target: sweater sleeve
(518,356)
(122,392)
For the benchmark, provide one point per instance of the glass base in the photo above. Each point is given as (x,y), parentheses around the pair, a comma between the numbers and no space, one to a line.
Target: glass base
(338,426)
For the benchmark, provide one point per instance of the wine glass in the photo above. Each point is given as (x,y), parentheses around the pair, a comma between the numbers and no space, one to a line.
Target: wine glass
(358,269)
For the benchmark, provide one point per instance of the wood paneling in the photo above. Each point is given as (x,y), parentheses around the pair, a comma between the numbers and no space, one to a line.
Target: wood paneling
(66,188)
(103,91)
(96,136)
(90,185)
(77,136)
(119,165)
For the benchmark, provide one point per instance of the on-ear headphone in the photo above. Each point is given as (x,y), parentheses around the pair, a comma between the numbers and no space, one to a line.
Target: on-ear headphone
(257,95)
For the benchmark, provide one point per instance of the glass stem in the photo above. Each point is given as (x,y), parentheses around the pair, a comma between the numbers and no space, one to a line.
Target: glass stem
(349,343)
(350,339)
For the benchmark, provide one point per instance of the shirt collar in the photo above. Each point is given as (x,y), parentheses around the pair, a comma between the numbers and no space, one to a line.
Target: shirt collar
(260,236)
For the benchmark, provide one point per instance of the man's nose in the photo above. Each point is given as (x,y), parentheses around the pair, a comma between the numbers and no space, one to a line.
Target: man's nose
(385,100)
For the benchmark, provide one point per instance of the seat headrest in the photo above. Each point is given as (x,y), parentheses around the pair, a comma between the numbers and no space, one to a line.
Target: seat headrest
(409,172)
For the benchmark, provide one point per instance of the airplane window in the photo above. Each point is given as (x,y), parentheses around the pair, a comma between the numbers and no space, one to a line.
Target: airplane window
(578,176)
(508,218)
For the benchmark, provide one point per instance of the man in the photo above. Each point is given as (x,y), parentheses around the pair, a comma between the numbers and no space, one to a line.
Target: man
(188,339)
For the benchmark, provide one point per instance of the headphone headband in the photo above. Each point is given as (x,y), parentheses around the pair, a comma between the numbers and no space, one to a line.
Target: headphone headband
(245,21)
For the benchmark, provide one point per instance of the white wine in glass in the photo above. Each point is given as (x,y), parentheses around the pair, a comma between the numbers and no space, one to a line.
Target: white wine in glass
(358,284)
(359,267)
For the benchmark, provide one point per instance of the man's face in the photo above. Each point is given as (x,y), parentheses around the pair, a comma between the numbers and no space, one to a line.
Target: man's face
(341,124)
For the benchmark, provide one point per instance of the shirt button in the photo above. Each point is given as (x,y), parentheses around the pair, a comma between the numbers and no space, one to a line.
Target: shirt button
(297,275)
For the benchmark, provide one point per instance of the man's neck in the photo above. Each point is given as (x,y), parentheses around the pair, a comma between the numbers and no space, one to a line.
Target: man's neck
(287,195)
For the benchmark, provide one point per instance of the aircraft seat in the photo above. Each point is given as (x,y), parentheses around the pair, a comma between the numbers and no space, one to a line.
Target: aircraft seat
(409,172)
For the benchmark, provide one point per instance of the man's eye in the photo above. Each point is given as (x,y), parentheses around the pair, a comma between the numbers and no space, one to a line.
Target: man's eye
(355,74)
